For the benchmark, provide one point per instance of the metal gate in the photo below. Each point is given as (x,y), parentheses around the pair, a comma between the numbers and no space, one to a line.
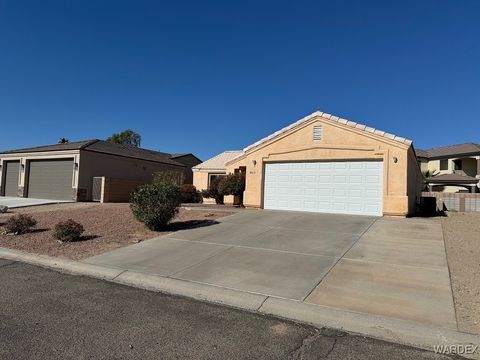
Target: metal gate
(97,189)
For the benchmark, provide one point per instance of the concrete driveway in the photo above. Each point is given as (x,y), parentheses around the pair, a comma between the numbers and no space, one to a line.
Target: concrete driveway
(389,267)
(18,202)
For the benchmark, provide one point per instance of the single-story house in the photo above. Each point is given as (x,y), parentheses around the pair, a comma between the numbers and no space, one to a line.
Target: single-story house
(452,168)
(323,163)
(70,171)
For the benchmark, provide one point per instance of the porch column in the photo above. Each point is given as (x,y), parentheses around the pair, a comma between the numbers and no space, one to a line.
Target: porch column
(478,167)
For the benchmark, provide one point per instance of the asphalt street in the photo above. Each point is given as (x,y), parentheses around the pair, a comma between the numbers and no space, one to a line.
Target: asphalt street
(48,315)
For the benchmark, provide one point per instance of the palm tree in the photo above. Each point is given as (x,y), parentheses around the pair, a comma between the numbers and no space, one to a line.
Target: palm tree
(428,174)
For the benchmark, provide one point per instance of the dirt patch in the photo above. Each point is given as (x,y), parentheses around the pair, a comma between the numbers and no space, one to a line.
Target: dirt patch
(462,240)
(107,227)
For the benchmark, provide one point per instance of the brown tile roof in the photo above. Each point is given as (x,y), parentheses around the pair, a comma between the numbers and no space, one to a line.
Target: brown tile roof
(450,151)
(74,145)
(452,179)
(104,147)
(130,151)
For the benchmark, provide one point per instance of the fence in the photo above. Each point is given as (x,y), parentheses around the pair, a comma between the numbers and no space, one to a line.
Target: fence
(463,202)
(117,190)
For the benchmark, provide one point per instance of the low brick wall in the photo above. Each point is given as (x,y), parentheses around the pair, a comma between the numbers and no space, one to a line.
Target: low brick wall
(463,202)
(118,190)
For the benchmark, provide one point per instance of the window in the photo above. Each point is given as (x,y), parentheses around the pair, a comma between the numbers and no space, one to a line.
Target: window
(317,133)
(444,164)
(213,177)
(457,165)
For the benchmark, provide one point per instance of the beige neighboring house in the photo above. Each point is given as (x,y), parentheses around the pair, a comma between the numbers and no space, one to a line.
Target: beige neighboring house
(456,167)
(205,172)
(323,163)
(84,170)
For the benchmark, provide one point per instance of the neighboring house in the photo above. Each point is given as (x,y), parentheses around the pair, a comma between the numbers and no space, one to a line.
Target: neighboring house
(67,171)
(457,167)
(323,163)
(204,173)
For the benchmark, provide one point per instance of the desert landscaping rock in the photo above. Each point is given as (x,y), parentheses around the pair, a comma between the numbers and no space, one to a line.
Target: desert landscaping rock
(107,227)
(462,242)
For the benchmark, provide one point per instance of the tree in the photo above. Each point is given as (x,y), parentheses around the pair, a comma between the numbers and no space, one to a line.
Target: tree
(126,137)
(232,184)
(428,174)
(63,141)
(212,191)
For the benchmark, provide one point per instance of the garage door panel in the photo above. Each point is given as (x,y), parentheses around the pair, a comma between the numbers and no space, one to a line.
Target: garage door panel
(341,187)
(50,179)
(12,172)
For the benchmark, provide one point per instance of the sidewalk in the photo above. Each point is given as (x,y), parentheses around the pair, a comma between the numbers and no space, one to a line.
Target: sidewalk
(383,328)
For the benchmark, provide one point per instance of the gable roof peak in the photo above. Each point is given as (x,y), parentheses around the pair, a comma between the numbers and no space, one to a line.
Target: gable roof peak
(334,118)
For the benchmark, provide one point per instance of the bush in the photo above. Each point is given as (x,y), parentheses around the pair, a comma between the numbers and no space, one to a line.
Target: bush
(68,230)
(189,194)
(155,205)
(212,191)
(20,224)
(232,184)
(168,177)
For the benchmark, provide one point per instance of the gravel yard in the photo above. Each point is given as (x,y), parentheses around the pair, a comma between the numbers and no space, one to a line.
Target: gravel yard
(462,240)
(107,227)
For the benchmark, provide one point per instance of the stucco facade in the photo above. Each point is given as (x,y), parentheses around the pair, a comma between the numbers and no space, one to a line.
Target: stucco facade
(205,171)
(25,158)
(93,164)
(401,173)
(67,170)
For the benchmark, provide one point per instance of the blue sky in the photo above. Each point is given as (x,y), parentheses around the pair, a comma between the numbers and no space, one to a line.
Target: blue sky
(208,76)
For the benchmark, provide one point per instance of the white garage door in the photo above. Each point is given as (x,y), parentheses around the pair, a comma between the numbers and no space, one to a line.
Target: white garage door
(344,187)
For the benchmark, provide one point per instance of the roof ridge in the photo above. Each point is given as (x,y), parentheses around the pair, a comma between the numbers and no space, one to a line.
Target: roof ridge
(90,142)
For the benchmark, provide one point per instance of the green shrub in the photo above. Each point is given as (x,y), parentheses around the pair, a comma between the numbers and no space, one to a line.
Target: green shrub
(20,224)
(212,191)
(232,184)
(189,194)
(68,230)
(168,177)
(155,204)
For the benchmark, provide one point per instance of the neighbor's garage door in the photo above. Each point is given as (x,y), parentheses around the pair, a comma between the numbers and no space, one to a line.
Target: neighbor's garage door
(12,171)
(346,187)
(50,179)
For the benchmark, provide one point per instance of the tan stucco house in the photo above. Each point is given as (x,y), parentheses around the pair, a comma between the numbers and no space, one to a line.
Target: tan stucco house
(456,168)
(79,171)
(205,172)
(323,163)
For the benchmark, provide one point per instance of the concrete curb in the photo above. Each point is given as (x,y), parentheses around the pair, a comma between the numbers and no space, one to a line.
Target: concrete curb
(214,294)
(383,328)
